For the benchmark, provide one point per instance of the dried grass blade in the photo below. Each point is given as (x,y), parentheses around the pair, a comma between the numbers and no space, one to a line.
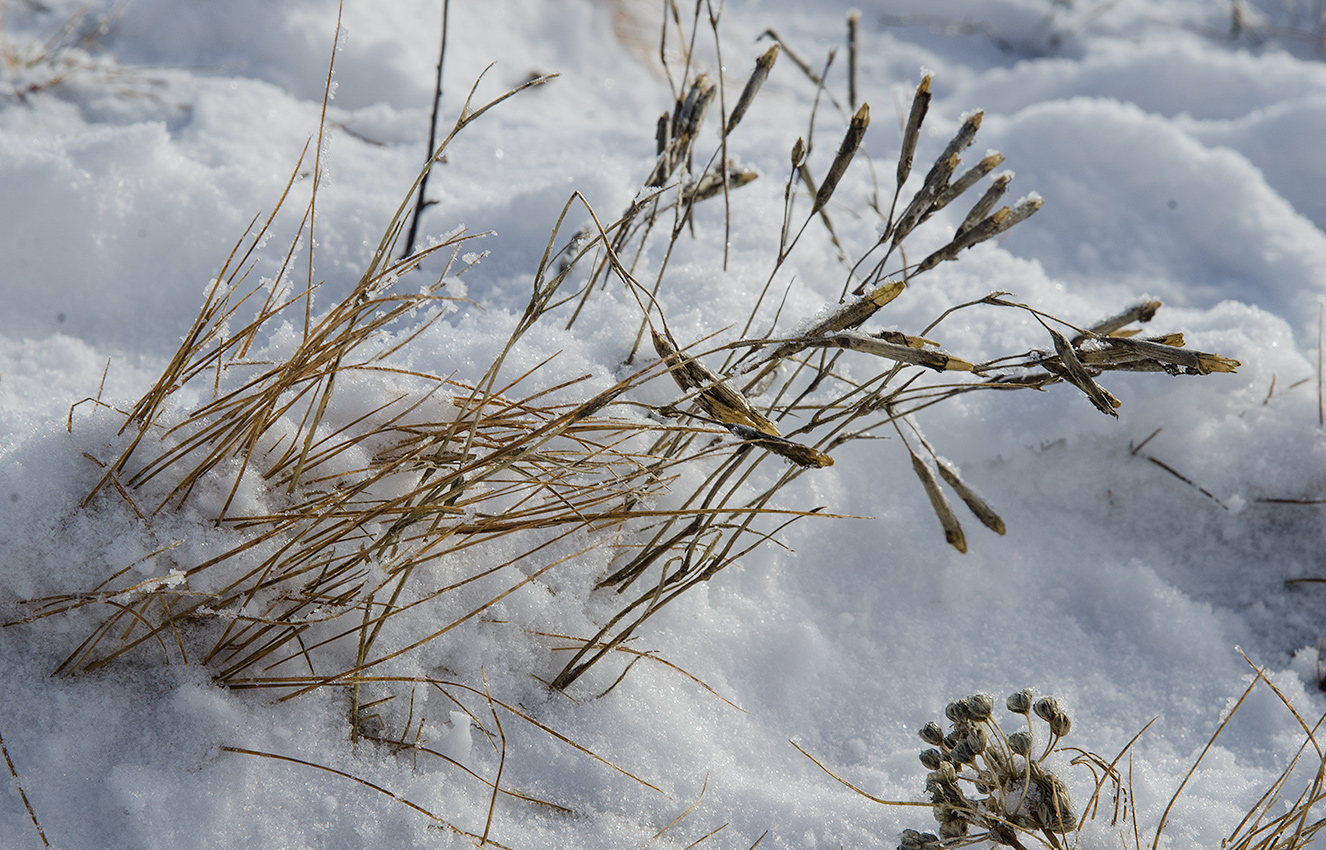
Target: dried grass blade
(18,785)
(352,778)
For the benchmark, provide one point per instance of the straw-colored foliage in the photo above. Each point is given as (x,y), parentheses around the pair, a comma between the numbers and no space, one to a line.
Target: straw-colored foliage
(342,524)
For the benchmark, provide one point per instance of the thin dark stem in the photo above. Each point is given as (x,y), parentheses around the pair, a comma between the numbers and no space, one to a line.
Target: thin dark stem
(420,203)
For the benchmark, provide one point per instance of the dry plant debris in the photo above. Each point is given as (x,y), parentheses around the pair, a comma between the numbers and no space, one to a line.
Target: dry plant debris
(363,511)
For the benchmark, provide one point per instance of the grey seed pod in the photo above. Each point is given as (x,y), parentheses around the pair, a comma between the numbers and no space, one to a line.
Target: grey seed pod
(956,711)
(1046,708)
(976,740)
(913,840)
(932,759)
(1060,723)
(932,734)
(1020,743)
(962,753)
(953,828)
(951,739)
(1020,702)
(1055,811)
(979,706)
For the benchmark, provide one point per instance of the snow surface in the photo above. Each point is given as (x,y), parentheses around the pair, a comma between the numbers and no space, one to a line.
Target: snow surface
(1175,162)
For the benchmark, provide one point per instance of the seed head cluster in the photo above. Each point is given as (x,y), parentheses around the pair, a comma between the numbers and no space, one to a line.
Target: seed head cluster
(985,784)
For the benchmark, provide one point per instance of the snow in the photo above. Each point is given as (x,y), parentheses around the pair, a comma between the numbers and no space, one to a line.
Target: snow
(1175,163)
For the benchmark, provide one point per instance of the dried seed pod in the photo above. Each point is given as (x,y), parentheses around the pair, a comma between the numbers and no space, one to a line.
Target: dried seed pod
(931,759)
(849,315)
(913,840)
(798,453)
(952,528)
(962,753)
(717,399)
(937,360)
(1021,211)
(1060,724)
(955,828)
(1143,312)
(663,133)
(856,131)
(711,184)
(932,734)
(1046,708)
(1020,702)
(936,180)
(968,178)
(696,107)
(757,78)
(798,152)
(1076,374)
(1054,812)
(956,711)
(976,740)
(1198,361)
(977,506)
(920,105)
(1020,743)
(919,207)
(981,209)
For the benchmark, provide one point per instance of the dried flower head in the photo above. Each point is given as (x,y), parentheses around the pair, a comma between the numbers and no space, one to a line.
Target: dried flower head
(987,785)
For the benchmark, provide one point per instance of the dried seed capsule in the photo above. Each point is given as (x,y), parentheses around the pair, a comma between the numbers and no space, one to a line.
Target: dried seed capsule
(976,740)
(983,207)
(955,828)
(856,131)
(1060,723)
(956,711)
(968,179)
(913,840)
(979,706)
(757,78)
(951,740)
(932,734)
(931,759)
(1020,743)
(962,753)
(1020,702)
(1046,708)
(920,104)
(798,152)
(1055,810)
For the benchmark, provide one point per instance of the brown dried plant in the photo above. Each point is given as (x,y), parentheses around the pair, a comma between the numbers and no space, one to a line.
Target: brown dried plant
(361,510)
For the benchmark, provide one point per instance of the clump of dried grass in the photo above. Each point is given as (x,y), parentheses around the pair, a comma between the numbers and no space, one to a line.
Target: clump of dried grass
(361,510)
(31,65)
